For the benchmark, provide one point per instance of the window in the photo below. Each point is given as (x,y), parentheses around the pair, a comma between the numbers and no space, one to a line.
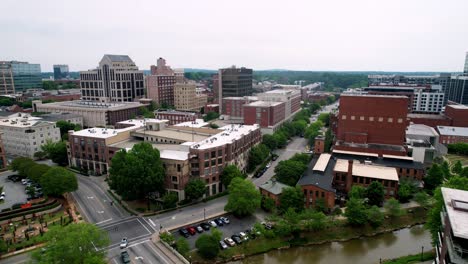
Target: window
(353,117)
(361,118)
(316,194)
(343,117)
(207,163)
(380,119)
(390,120)
(400,120)
(371,118)
(174,178)
(178,167)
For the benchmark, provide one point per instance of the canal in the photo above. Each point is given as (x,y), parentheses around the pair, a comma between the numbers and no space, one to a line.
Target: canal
(357,251)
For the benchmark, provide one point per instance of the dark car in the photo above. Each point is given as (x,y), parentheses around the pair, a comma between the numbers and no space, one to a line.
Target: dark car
(125,257)
(237,239)
(275,157)
(219,222)
(184,232)
(14,178)
(258,174)
(205,226)
(191,230)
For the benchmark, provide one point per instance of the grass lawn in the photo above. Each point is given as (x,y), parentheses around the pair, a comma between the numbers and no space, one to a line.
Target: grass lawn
(416,258)
(454,158)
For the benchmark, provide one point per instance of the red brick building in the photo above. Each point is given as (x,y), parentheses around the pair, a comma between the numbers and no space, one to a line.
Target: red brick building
(454,115)
(266,114)
(458,115)
(372,123)
(451,134)
(319,145)
(234,106)
(272,189)
(176,117)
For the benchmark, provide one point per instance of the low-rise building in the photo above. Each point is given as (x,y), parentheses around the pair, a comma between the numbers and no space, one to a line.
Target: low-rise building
(94,113)
(269,115)
(423,143)
(452,238)
(186,97)
(272,189)
(68,117)
(451,134)
(23,135)
(233,107)
(175,117)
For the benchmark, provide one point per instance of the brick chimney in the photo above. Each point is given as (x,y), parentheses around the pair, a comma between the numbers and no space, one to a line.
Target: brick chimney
(349,177)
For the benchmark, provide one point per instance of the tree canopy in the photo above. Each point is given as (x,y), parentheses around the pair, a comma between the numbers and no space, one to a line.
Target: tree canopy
(356,212)
(257,155)
(57,181)
(74,244)
(244,198)
(137,173)
(230,172)
(195,189)
(56,151)
(37,171)
(375,193)
(293,198)
(289,171)
(208,245)
(434,177)
(65,126)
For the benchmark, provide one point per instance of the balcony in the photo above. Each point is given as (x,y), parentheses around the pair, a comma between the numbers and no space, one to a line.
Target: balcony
(457,249)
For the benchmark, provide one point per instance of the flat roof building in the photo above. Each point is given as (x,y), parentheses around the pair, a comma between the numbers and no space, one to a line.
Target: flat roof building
(451,135)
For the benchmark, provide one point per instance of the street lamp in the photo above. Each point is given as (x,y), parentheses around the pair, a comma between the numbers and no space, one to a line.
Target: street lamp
(422,252)
(204,214)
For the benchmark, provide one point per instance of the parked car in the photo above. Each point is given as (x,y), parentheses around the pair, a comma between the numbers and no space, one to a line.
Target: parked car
(267,225)
(229,241)
(124,242)
(2,194)
(184,232)
(219,222)
(2,198)
(125,257)
(274,157)
(191,230)
(205,226)
(223,245)
(243,236)
(258,174)
(268,165)
(14,178)
(237,239)
(225,220)
(213,224)
(199,229)
(25,181)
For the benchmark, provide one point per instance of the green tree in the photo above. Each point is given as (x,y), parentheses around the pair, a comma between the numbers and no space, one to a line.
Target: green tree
(356,212)
(292,197)
(393,208)
(244,198)
(324,118)
(137,173)
(56,151)
(74,244)
(434,177)
(66,126)
(328,140)
(375,216)
(3,247)
(289,171)
(281,139)
(302,158)
(268,204)
(210,116)
(464,172)
(183,246)
(406,190)
(257,155)
(457,167)
(269,141)
(357,192)
(207,246)
(316,222)
(40,155)
(49,85)
(422,199)
(375,193)
(57,181)
(22,165)
(170,200)
(195,189)
(229,173)
(37,171)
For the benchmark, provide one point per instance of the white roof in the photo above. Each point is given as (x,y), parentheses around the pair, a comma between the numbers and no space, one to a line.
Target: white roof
(229,135)
(458,106)
(264,103)
(22,121)
(322,162)
(421,130)
(141,122)
(196,124)
(458,218)
(98,132)
(453,131)
(367,170)
(174,154)
(355,153)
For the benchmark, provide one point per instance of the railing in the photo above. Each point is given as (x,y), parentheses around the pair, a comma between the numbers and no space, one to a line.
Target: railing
(460,251)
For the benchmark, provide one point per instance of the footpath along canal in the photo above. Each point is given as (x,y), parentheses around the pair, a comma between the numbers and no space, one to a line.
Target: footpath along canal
(367,250)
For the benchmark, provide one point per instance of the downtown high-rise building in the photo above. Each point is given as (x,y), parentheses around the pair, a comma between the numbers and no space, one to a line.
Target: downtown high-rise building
(160,84)
(61,71)
(17,77)
(232,82)
(117,79)
(465,70)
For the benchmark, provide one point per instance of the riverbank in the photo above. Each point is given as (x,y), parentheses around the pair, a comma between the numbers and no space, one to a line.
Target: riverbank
(415,258)
(338,231)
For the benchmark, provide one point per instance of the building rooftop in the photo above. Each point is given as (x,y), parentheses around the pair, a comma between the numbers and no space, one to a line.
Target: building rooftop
(421,130)
(322,180)
(178,135)
(374,95)
(230,134)
(385,160)
(322,162)
(368,170)
(141,122)
(118,58)
(21,120)
(98,132)
(273,187)
(94,105)
(453,131)
(457,106)
(54,117)
(196,123)
(427,116)
(264,104)
(174,154)
(173,112)
(456,205)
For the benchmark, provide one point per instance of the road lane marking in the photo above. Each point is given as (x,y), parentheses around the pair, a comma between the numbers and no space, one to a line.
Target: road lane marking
(129,240)
(138,243)
(151,221)
(150,225)
(104,221)
(149,232)
(139,257)
(100,212)
(118,223)
(115,261)
(90,197)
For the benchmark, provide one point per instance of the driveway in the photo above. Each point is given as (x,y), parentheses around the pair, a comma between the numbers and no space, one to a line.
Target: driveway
(14,191)
(235,226)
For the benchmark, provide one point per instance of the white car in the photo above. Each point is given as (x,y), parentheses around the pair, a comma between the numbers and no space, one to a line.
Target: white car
(229,241)
(124,243)
(24,181)
(225,220)
(268,165)
(243,236)
(213,224)
(223,245)
(2,198)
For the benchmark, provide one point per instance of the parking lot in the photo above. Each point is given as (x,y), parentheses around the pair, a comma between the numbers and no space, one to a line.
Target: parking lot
(14,191)
(235,226)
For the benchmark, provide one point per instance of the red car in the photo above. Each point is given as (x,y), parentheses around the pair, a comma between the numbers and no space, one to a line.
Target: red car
(192,231)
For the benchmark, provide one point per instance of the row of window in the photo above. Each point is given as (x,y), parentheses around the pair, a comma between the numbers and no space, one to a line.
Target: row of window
(371,118)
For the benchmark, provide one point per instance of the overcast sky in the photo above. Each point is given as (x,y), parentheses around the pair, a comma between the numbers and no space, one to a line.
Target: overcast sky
(346,35)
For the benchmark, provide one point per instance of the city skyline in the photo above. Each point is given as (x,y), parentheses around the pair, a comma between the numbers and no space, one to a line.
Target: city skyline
(336,35)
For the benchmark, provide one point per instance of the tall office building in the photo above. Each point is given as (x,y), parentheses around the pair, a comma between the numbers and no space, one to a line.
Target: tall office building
(160,84)
(117,79)
(16,76)
(233,82)
(466,64)
(61,71)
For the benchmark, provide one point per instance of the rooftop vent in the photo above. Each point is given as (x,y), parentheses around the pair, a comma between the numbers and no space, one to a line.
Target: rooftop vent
(460,205)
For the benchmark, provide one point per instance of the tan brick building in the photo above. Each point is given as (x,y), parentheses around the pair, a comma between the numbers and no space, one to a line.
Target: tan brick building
(186,97)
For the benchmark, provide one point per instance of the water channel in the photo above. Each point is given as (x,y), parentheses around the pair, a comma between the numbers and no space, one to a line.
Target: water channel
(367,250)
